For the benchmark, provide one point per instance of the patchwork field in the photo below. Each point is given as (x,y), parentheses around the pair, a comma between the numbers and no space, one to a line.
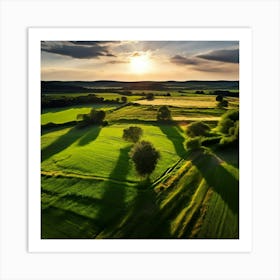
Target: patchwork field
(207,101)
(90,187)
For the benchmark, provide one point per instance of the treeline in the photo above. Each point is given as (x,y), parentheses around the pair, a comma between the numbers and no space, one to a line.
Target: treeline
(220,92)
(64,101)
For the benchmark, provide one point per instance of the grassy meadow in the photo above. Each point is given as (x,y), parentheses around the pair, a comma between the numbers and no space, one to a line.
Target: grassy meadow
(90,187)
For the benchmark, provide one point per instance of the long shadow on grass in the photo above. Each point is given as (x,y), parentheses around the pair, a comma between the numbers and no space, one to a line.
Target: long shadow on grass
(90,136)
(112,203)
(221,180)
(61,143)
(144,219)
(173,134)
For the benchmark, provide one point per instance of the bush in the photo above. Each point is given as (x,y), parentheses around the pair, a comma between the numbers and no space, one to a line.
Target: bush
(150,96)
(124,99)
(97,116)
(193,144)
(219,98)
(228,121)
(164,114)
(232,140)
(132,134)
(145,157)
(197,129)
(94,117)
(105,123)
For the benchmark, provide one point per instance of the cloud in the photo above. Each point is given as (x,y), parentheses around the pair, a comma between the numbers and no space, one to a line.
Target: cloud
(76,49)
(117,61)
(204,65)
(217,68)
(92,43)
(231,56)
(182,60)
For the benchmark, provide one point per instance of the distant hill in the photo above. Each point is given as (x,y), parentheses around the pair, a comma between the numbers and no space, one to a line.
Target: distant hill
(81,86)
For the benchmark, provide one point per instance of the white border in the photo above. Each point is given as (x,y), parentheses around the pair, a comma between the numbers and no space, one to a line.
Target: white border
(243,244)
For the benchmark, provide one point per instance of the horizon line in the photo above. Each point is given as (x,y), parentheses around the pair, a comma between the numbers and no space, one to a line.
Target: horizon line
(159,81)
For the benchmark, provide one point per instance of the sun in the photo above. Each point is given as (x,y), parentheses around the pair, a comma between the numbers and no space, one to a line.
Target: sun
(140,64)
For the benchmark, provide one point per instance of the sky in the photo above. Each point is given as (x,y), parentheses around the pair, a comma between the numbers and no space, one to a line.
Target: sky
(139,60)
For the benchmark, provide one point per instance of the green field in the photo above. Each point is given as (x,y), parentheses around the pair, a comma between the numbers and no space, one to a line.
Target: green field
(68,114)
(90,188)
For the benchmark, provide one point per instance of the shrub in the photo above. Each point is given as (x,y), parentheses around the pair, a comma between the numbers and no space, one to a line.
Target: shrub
(164,114)
(124,99)
(197,129)
(97,116)
(145,157)
(132,134)
(193,144)
(232,140)
(150,96)
(219,98)
(94,117)
(228,121)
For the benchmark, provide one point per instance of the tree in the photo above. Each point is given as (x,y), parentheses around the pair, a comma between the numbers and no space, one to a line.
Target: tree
(145,157)
(96,116)
(124,99)
(150,96)
(223,104)
(197,129)
(132,134)
(219,98)
(164,114)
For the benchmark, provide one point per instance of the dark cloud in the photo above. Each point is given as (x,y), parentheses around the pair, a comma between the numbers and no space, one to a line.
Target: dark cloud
(76,49)
(203,65)
(182,60)
(93,43)
(219,68)
(117,61)
(231,56)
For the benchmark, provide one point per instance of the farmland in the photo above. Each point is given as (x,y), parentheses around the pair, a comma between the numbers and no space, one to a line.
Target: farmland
(90,187)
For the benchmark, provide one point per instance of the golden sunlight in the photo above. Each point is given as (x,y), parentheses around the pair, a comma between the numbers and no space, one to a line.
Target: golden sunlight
(140,64)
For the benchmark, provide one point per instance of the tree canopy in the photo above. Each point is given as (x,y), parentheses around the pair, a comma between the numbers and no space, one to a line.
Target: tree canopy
(132,134)
(145,157)
(197,129)
(164,114)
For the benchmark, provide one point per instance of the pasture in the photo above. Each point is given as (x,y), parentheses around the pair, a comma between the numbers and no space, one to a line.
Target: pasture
(68,114)
(91,189)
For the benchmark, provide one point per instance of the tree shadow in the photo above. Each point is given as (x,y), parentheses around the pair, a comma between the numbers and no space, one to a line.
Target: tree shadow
(91,135)
(173,134)
(61,143)
(50,130)
(217,177)
(112,206)
(142,218)
(230,155)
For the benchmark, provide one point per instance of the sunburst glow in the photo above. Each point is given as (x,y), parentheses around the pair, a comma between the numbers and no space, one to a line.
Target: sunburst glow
(140,64)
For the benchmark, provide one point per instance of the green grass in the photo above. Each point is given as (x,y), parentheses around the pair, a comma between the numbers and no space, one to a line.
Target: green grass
(67,114)
(90,188)
(99,151)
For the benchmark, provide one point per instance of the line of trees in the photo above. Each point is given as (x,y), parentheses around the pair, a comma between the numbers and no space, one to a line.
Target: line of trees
(64,101)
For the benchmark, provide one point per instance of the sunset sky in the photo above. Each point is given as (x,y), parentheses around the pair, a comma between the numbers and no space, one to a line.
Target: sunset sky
(139,60)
